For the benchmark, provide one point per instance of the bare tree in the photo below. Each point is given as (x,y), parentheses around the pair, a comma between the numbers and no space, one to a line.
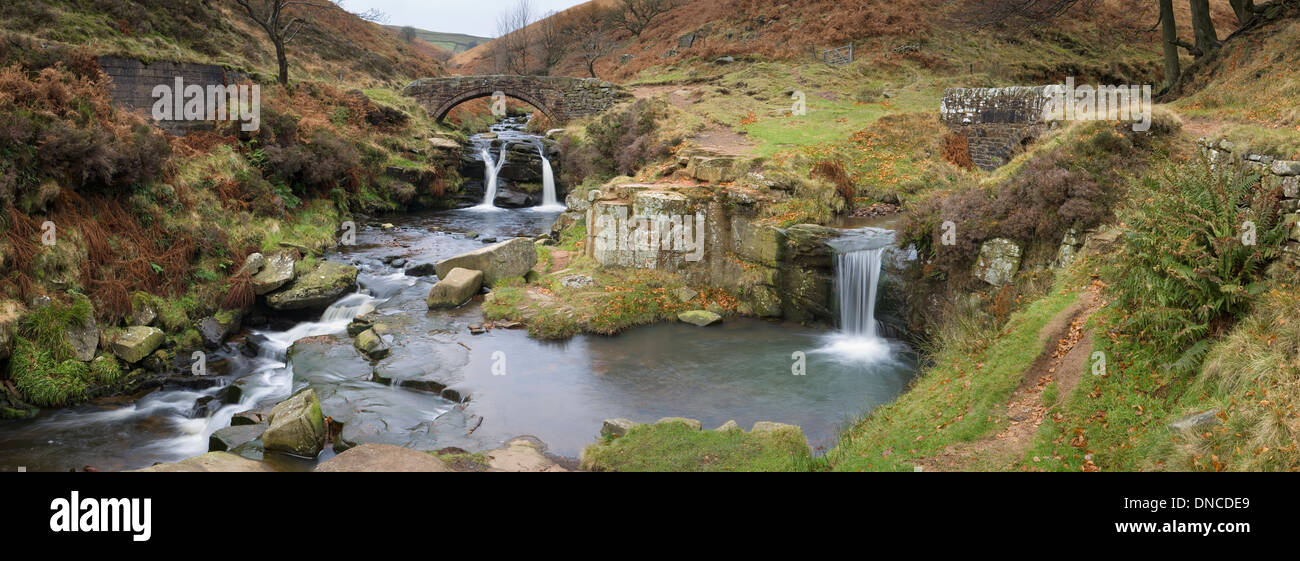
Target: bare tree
(636,15)
(587,26)
(408,34)
(515,38)
(282,26)
(1169,37)
(1245,10)
(553,44)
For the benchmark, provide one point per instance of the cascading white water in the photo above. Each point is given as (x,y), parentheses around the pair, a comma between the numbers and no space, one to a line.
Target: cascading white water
(858,257)
(491,169)
(857,274)
(549,201)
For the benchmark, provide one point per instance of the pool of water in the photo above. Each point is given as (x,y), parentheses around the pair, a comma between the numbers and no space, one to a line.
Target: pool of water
(560,392)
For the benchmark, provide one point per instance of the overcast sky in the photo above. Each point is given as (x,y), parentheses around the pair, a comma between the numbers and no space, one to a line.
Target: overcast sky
(473,17)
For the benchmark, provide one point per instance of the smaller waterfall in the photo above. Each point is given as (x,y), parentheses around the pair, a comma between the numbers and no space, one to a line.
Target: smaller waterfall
(491,168)
(549,203)
(858,256)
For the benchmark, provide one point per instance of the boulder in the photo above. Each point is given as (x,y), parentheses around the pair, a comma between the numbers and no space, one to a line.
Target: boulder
(276,271)
(230,437)
(770,427)
(371,344)
(296,426)
(616,427)
(11,311)
(998,262)
(315,290)
(699,317)
(694,424)
(142,310)
(729,425)
(215,329)
(136,342)
(211,462)
(455,288)
(253,264)
(1286,167)
(1197,422)
(421,270)
(84,339)
(373,457)
(511,258)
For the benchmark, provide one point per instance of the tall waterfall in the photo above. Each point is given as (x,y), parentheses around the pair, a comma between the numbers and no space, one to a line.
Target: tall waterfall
(548,183)
(857,274)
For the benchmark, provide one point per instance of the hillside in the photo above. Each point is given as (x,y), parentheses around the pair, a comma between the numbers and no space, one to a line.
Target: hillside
(456,43)
(337,46)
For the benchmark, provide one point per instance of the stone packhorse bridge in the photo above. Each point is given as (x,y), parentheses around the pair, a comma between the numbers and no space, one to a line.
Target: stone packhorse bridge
(997,122)
(559,98)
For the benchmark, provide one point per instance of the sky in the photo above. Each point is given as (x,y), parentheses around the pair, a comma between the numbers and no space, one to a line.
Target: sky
(472,17)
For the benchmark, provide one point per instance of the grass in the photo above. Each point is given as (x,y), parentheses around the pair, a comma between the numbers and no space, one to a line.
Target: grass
(678,447)
(955,400)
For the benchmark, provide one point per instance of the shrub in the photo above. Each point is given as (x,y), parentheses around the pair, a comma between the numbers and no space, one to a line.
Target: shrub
(1186,272)
(620,142)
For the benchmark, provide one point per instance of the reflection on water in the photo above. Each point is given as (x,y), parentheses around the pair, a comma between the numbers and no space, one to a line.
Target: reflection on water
(560,392)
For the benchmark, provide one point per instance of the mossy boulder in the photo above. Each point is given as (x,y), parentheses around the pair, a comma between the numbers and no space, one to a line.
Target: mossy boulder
(371,344)
(315,290)
(699,317)
(275,271)
(231,437)
(136,342)
(296,426)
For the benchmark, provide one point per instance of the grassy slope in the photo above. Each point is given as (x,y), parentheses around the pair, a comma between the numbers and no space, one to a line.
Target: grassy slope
(456,43)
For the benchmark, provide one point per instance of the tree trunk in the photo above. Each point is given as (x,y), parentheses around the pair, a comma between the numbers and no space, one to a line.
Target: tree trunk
(1245,10)
(1203,27)
(283,60)
(591,67)
(1169,37)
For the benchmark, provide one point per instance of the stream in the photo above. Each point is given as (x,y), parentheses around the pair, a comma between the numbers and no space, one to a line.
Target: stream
(500,384)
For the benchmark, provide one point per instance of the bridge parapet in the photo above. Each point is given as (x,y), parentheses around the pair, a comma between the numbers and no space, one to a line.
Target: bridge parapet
(559,97)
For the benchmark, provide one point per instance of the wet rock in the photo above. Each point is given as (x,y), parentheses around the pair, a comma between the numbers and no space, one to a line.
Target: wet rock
(694,424)
(699,317)
(215,329)
(211,462)
(232,436)
(250,417)
(254,344)
(157,361)
(510,198)
(998,262)
(511,258)
(383,458)
(236,390)
(456,287)
(616,427)
(372,345)
(277,270)
(476,329)
(296,426)
(315,290)
(522,454)
(421,270)
(251,450)
(136,342)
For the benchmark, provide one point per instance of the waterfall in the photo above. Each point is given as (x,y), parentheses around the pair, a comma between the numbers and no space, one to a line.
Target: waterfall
(856,276)
(491,169)
(548,183)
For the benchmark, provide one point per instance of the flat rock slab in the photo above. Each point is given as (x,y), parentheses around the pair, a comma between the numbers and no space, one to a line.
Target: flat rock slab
(454,289)
(383,458)
(699,317)
(276,271)
(136,342)
(523,454)
(231,437)
(315,290)
(212,462)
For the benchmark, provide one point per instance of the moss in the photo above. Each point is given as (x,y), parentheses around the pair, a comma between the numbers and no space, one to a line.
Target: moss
(45,381)
(677,447)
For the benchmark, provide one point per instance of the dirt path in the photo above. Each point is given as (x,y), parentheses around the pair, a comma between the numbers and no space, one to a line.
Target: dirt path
(715,137)
(1067,350)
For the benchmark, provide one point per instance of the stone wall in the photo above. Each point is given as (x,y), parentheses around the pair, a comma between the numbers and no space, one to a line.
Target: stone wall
(560,98)
(997,122)
(1276,173)
(134,81)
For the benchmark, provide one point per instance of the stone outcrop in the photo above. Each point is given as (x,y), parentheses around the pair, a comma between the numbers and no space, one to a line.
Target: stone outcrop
(511,258)
(296,426)
(454,289)
(315,290)
(521,454)
(211,462)
(998,262)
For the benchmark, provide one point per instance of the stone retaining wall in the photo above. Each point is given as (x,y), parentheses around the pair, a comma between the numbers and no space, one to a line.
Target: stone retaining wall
(134,81)
(997,122)
(1276,173)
